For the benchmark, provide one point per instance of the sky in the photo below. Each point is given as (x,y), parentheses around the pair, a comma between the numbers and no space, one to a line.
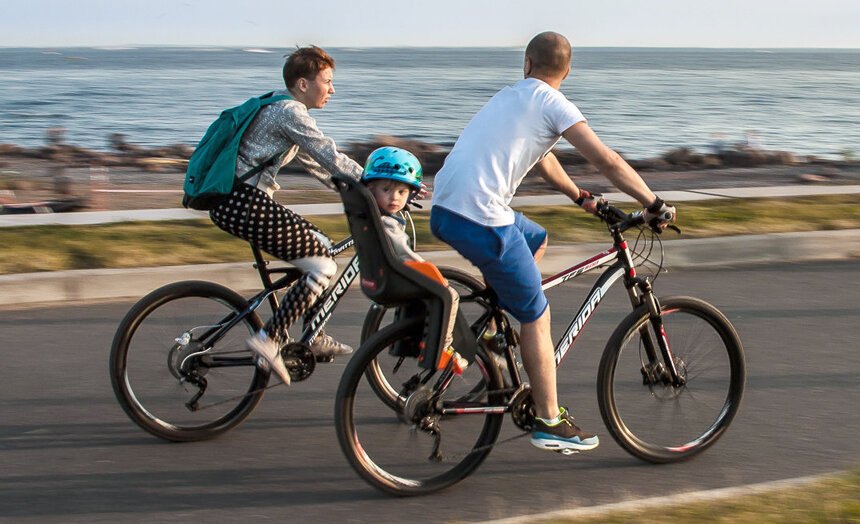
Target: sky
(449,23)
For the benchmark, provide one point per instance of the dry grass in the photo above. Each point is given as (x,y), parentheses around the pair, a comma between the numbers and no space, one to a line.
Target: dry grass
(146,244)
(834,500)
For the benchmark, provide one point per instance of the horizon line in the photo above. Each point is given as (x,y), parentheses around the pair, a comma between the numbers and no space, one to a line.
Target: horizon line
(127,47)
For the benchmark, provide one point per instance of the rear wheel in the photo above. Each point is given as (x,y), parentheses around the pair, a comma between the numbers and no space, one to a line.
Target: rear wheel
(649,416)
(166,376)
(429,441)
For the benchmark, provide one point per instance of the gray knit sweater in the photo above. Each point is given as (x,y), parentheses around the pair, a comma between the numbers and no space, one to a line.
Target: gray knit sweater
(287,127)
(395,228)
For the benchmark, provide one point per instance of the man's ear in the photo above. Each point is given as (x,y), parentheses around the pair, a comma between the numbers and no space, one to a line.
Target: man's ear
(302,84)
(566,73)
(527,66)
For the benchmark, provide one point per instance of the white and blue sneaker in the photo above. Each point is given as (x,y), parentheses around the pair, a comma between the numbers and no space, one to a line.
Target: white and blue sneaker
(562,435)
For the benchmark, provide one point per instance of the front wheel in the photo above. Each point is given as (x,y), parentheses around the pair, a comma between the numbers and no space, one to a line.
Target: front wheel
(179,364)
(649,416)
(434,439)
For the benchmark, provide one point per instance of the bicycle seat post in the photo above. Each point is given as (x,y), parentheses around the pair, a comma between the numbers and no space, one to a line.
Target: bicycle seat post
(262,268)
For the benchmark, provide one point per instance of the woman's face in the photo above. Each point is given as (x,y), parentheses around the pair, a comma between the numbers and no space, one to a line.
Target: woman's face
(314,93)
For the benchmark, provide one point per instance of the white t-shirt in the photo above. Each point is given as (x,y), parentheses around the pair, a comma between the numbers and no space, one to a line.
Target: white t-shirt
(505,139)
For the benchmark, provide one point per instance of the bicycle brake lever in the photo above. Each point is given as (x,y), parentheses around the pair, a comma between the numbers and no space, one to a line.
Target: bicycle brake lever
(676,229)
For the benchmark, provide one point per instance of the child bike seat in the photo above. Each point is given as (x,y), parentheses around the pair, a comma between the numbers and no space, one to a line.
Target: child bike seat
(387,280)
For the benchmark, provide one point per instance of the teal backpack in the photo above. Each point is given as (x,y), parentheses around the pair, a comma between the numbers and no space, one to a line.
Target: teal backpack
(211,170)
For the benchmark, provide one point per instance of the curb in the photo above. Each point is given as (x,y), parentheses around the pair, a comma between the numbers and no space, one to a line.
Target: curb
(104,284)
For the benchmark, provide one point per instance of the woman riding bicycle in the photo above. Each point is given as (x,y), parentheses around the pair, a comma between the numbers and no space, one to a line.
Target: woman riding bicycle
(285,130)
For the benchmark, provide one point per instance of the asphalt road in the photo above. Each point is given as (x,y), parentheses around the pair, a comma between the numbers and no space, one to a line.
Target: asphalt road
(69,454)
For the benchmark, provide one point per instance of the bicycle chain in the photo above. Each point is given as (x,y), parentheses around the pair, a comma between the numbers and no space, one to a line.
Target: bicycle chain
(237,397)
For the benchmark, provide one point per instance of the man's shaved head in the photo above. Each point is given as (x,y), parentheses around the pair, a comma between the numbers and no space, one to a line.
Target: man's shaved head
(549,54)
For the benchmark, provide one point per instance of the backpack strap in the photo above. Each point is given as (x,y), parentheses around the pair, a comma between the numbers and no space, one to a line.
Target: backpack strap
(265,99)
(259,167)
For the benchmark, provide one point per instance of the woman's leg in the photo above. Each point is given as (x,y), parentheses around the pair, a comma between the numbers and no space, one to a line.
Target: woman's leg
(252,215)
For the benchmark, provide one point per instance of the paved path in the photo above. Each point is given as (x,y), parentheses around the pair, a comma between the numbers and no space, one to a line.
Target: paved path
(69,453)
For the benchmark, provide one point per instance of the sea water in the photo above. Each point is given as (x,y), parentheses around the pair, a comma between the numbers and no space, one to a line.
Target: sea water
(641,101)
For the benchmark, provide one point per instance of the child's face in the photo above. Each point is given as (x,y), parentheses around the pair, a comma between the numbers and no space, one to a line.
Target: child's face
(390,196)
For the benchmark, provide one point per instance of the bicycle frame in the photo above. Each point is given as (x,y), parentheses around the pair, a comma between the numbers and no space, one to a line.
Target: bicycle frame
(331,297)
(639,290)
(328,301)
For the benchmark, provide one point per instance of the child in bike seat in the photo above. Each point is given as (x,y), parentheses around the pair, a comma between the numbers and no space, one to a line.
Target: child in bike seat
(393,177)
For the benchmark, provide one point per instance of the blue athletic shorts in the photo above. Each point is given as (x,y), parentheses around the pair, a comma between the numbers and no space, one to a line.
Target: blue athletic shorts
(505,256)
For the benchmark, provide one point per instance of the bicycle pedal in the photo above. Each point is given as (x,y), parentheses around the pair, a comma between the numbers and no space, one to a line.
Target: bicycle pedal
(568,452)
(325,359)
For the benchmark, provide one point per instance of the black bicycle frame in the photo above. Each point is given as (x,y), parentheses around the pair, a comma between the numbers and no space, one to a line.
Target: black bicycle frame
(598,291)
(329,300)
(639,290)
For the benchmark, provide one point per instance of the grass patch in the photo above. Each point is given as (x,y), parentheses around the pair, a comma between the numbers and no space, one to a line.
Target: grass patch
(831,500)
(147,244)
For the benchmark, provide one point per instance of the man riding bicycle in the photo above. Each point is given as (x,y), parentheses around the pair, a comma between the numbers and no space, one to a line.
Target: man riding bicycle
(512,134)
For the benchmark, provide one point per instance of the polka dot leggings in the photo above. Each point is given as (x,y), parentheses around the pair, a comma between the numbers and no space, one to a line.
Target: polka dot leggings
(250,214)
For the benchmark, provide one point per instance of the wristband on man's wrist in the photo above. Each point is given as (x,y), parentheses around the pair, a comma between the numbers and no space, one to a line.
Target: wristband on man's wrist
(656,206)
(583,194)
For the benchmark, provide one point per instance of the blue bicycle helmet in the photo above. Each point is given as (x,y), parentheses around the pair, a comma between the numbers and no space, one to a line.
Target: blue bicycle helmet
(392,163)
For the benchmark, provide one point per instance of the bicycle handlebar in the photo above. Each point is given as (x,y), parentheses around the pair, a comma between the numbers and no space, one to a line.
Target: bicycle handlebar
(615,217)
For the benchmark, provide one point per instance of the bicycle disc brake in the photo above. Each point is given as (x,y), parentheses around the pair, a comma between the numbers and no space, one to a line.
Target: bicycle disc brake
(418,404)
(178,362)
(299,360)
(659,380)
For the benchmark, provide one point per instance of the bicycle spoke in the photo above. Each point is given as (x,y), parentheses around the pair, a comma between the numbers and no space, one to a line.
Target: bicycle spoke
(648,415)
(167,381)
(414,448)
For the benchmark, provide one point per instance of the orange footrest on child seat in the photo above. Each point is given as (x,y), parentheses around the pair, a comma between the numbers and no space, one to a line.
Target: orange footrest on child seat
(459,364)
(428,269)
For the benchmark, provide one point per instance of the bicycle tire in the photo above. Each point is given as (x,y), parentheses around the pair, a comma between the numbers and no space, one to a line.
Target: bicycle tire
(463,282)
(707,352)
(384,447)
(147,356)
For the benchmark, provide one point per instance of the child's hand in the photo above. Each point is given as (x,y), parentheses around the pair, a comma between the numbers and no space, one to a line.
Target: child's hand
(421,194)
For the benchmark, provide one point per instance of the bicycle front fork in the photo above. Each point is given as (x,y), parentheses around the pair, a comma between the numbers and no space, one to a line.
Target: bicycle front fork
(660,367)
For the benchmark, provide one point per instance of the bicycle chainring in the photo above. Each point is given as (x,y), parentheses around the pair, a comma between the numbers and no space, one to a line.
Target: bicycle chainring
(299,360)
(523,408)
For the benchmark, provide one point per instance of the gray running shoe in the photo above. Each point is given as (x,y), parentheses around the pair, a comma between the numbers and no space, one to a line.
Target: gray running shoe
(563,436)
(268,355)
(325,346)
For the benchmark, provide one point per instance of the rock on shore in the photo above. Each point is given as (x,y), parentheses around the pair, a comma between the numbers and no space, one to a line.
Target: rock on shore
(175,157)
